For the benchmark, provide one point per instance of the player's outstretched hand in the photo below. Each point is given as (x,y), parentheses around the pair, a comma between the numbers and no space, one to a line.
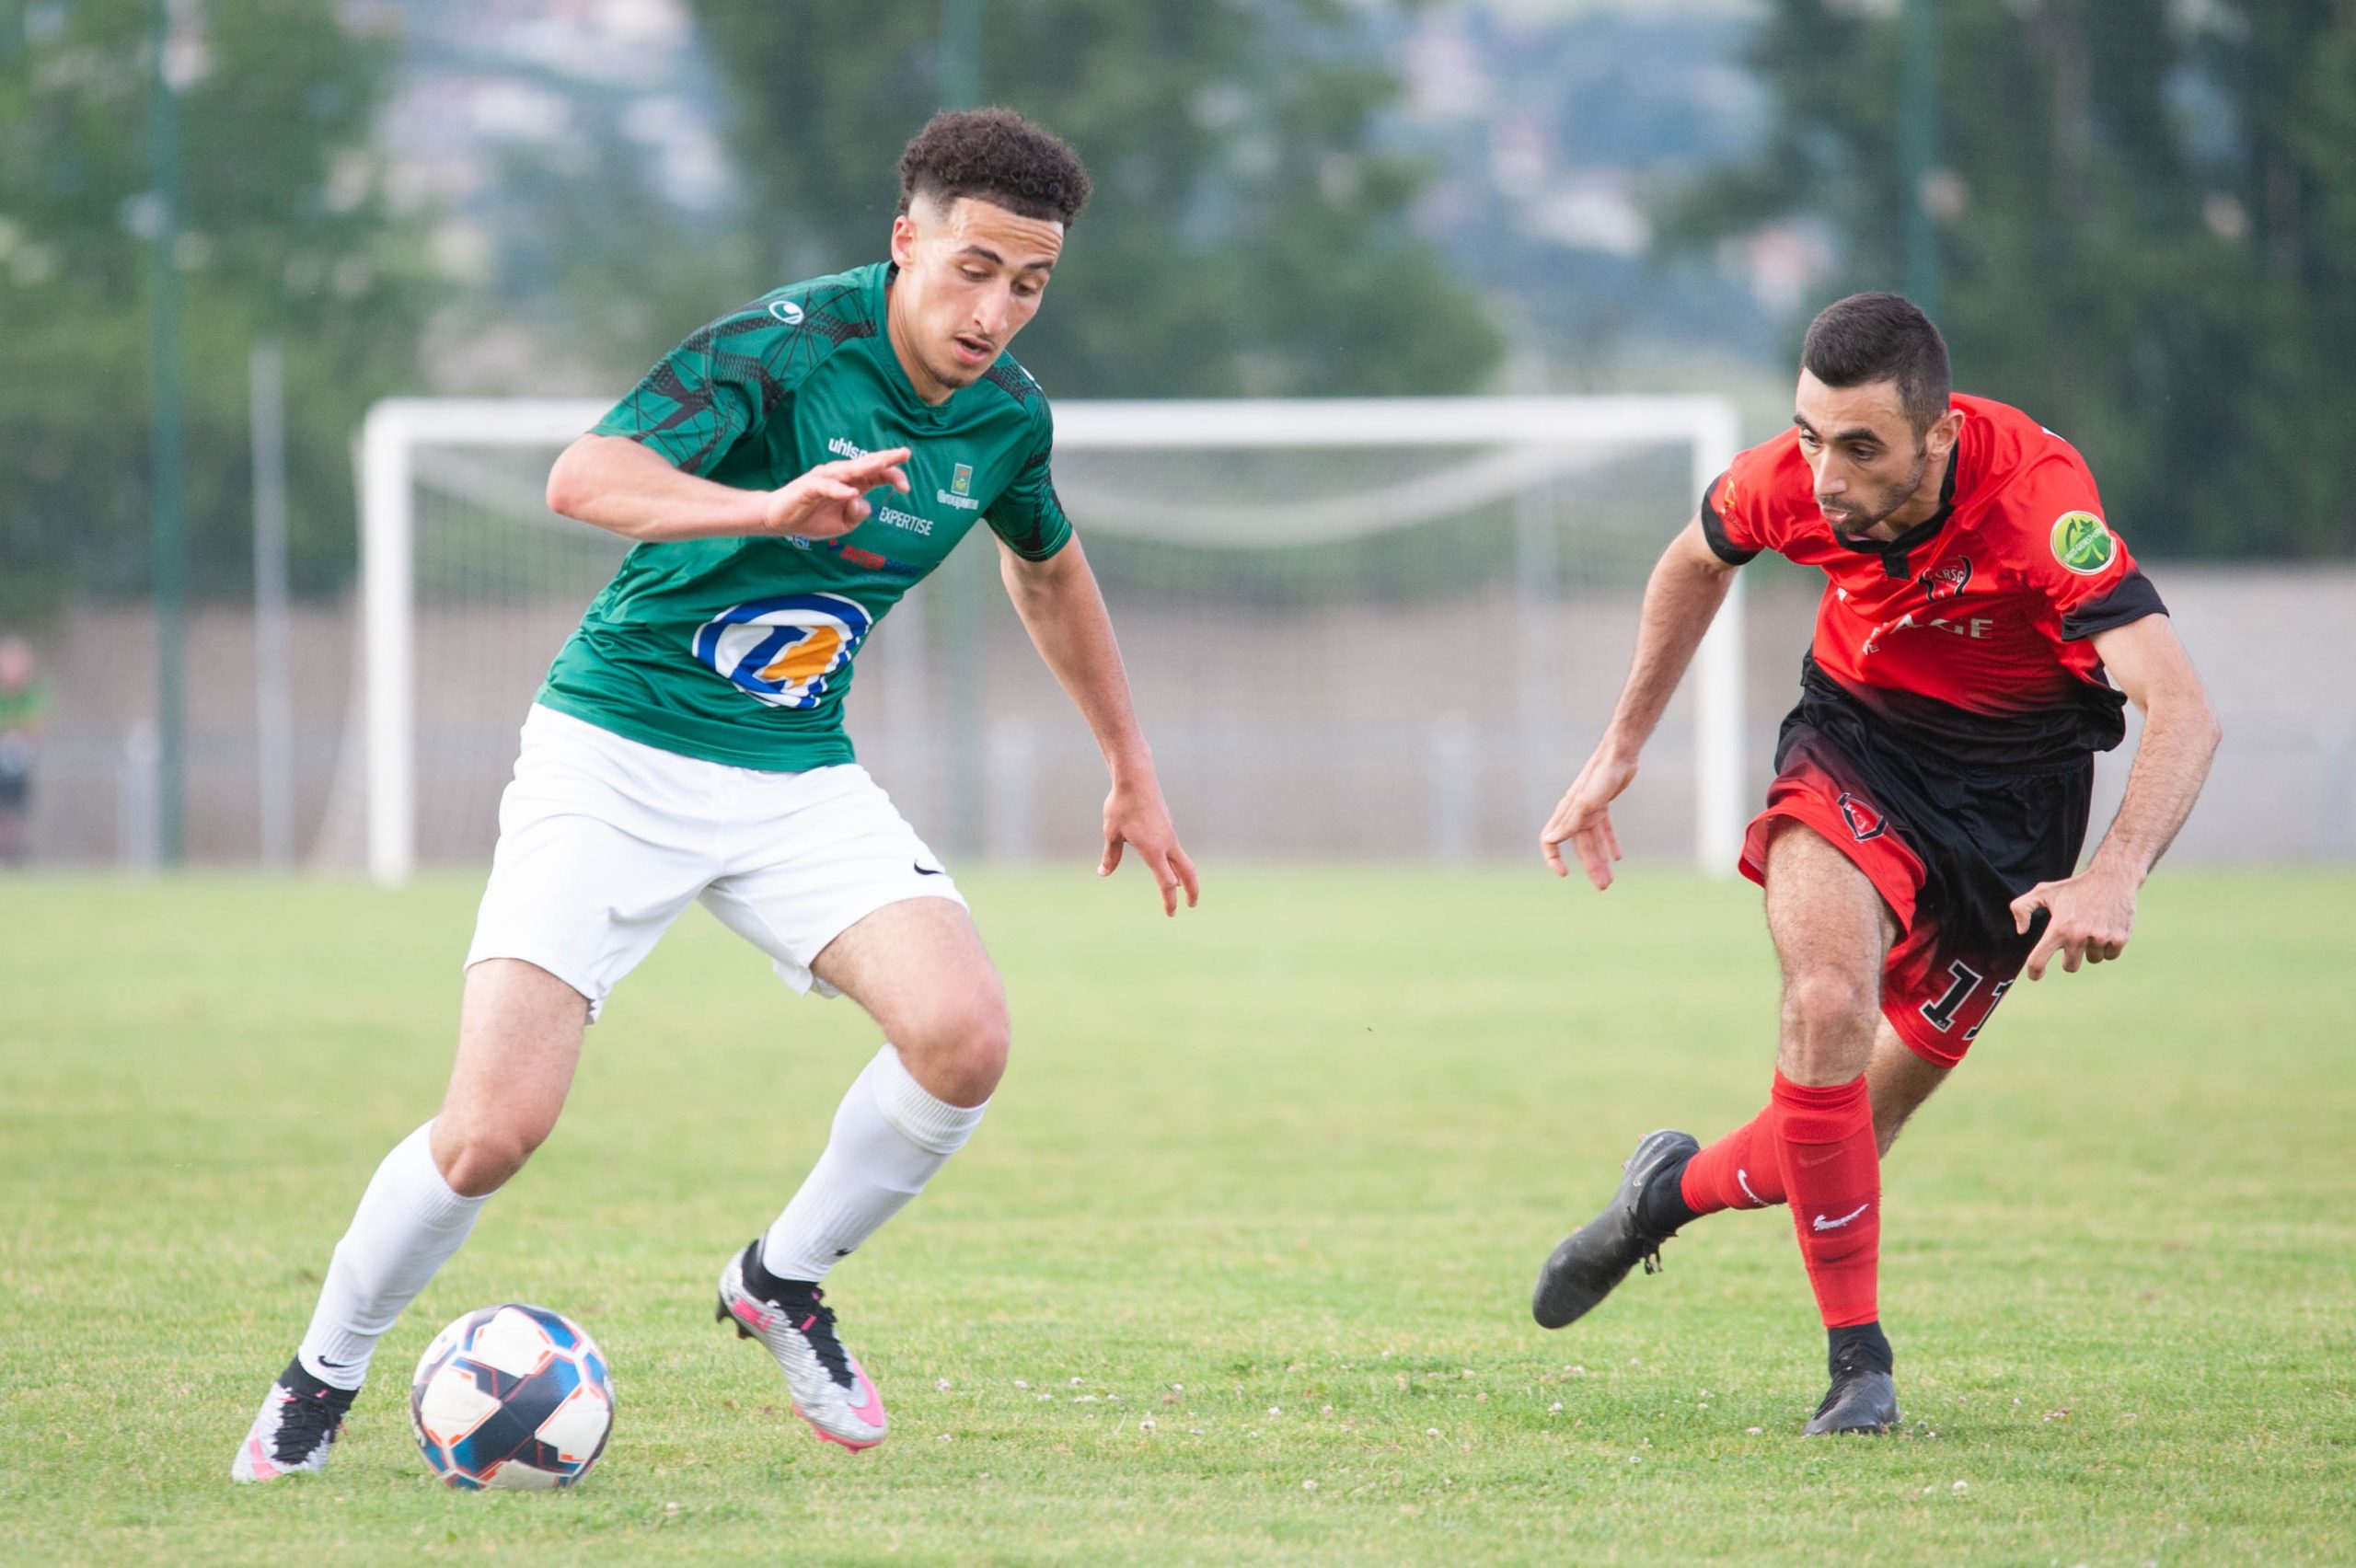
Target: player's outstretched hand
(2088,916)
(1136,816)
(1584,817)
(831,499)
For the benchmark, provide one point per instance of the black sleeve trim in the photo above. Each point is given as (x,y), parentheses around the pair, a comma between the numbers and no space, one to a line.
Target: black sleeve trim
(2132,600)
(1713,529)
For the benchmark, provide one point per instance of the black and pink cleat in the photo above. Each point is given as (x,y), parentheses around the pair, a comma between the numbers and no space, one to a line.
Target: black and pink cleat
(831,1390)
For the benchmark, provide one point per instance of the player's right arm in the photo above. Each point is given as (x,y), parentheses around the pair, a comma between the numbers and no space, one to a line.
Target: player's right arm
(628,489)
(1680,600)
(644,470)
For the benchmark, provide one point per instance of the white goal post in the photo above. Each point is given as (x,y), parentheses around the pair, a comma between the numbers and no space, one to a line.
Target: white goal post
(1509,439)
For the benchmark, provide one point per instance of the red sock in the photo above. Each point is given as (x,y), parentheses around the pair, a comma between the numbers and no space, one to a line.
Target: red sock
(1740,1171)
(1832,1173)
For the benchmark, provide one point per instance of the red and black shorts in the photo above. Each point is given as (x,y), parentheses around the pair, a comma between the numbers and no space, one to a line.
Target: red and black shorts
(1948,848)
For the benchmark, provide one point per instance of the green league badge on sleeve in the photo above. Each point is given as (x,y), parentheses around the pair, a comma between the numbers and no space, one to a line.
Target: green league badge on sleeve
(2083,542)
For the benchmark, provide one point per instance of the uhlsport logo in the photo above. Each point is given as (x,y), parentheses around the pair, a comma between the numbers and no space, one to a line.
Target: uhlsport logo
(2083,542)
(783,651)
(785,310)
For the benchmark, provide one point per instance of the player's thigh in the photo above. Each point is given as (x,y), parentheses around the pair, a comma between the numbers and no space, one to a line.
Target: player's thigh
(1831,930)
(844,897)
(519,1042)
(603,842)
(1823,912)
(918,968)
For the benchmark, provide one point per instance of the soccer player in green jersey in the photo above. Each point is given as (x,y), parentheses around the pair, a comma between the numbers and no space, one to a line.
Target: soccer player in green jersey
(789,472)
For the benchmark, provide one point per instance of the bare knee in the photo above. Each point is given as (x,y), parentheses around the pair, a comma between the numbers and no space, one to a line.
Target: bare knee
(1828,1018)
(519,1037)
(479,1155)
(1823,1002)
(957,1047)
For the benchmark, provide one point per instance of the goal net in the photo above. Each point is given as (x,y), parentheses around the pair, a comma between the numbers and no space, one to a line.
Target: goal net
(1371,629)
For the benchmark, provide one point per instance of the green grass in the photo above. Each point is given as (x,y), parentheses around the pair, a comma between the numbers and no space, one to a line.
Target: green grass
(1300,1152)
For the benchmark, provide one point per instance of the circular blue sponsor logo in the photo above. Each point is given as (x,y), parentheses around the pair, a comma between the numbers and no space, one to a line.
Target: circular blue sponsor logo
(782,652)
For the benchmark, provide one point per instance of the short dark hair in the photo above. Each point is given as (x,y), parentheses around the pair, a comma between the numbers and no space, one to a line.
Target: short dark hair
(1881,336)
(996,156)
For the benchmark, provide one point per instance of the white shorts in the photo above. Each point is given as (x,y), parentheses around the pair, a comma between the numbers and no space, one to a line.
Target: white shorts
(602,842)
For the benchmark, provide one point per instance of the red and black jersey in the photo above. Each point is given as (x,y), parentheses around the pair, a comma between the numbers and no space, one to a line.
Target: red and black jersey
(1968,633)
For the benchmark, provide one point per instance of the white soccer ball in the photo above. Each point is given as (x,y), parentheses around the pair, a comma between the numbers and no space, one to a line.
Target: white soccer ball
(512,1398)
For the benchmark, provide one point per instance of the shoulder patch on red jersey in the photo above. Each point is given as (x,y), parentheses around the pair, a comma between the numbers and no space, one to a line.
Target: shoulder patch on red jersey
(2082,543)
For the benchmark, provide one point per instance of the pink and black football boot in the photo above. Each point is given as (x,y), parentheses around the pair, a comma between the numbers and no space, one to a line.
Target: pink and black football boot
(831,1390)
(299,1422)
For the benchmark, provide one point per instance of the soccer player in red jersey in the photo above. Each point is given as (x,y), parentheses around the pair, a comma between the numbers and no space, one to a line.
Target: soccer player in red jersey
(1980,632)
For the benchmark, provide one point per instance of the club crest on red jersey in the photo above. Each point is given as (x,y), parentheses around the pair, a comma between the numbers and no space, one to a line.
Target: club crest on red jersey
(1863,819)
(1947,580)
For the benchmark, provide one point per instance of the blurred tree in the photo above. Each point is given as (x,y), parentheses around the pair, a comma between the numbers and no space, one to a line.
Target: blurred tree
(569,222)
(285,230)
(1247,233)
(2147,235)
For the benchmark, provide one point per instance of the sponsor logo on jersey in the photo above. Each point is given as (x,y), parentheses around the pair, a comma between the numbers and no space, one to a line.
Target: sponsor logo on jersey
(959,494)
(782,652)
(1977,628)
(2083,542)
(1948,579)
(785,310)
(1863,819)
(869,560)
(841,447)
(892,517)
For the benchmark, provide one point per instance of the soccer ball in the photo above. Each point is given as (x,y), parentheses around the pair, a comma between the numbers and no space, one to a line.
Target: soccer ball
(512,1398)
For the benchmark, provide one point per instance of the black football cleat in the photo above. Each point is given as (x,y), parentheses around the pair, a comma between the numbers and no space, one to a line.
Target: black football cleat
(1598,1255)
(1864,1396)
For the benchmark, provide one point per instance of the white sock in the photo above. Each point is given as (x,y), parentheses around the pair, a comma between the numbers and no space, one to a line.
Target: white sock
(409,1222)
(890,1137)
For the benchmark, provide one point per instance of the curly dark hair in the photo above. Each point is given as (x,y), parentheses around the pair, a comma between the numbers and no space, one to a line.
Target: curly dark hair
(999,156)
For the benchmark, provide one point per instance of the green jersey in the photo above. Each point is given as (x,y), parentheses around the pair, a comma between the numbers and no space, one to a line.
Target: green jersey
(740,650)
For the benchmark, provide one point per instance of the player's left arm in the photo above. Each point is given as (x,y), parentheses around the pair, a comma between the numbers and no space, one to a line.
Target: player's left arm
(1064,612)
(2090,916)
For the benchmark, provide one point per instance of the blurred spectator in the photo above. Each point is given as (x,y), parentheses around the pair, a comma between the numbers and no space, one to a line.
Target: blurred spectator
(22,702)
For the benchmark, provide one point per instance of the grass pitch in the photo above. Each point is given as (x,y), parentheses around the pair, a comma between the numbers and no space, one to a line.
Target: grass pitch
(1238,1268)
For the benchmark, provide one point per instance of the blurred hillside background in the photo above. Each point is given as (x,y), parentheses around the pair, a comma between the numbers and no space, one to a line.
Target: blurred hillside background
(2135,218)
